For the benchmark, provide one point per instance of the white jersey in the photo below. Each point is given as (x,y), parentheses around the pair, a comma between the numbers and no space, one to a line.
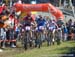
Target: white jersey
(52,24)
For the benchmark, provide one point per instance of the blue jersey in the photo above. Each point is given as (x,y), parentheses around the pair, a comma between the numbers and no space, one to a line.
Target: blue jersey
(41,22)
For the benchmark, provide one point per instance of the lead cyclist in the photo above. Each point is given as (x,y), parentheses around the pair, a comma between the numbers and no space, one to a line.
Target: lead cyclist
(28,22)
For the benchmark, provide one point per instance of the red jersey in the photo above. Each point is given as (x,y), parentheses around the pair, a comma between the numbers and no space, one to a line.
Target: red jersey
(31,18)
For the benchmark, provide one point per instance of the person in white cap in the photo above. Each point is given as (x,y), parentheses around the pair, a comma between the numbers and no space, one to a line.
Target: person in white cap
(19,1)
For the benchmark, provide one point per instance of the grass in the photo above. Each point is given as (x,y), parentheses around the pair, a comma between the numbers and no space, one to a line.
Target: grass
(65,47)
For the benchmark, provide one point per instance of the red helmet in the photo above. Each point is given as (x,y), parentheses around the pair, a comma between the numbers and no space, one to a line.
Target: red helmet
(29,14)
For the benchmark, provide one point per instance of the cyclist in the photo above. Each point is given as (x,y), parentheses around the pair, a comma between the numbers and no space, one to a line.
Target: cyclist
(41,27)
(51,26)
(28,22)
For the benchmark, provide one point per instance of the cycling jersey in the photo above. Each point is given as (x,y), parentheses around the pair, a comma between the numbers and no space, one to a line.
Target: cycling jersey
(28,20)
(41,22)
(52,24)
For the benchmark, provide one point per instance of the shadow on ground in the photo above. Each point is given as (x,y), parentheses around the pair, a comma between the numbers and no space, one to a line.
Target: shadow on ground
(70,52)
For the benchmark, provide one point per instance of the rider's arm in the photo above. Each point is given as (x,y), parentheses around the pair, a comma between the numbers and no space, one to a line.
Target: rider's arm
(34,23)
(47,24)
(56,25)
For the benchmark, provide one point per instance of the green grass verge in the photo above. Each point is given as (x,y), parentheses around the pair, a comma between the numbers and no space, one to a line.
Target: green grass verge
(45,51)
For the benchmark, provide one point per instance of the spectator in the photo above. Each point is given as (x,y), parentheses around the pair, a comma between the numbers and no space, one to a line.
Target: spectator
(17,31)
(3,37)
(74,29)
(11,36)
(65,32)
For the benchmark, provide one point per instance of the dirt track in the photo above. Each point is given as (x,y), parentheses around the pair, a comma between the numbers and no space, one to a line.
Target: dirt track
(11,51)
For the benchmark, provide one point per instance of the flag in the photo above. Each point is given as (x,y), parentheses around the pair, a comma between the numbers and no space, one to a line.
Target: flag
(1,9)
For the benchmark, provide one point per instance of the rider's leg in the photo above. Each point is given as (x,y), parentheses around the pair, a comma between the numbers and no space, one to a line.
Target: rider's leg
(36,39)
(53,35)
(61,35)
(41,38)
(31,38)
(25,41)
(48,38)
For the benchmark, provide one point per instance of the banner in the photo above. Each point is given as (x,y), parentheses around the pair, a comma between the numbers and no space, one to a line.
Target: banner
(47,7)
